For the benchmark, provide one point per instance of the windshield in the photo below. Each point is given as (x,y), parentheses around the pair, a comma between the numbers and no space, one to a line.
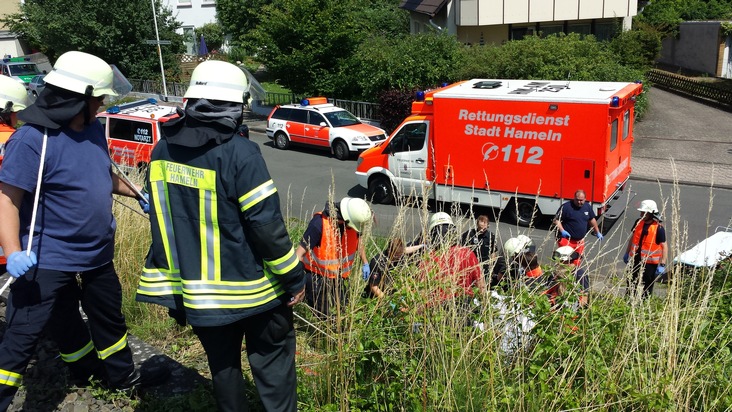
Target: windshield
(341,118)
(23,69)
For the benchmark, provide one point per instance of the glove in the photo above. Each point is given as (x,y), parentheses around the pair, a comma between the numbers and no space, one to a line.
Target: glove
(599,236)
(19,263)
(366,271)
(660,269)
(145,202)
(626,258)
(566,234)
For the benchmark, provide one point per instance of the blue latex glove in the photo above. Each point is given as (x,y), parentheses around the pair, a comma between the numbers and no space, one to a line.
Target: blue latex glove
(660,269)
(366,271)
(566,234)
(19,263)
(626,258)
(599,236)
(145,203)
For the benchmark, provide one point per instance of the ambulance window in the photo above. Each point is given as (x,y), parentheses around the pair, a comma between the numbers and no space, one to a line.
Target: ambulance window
(614,135)
(316,118)
(282,113)
(626,124)
(410,138)
(300,116)
(139,132)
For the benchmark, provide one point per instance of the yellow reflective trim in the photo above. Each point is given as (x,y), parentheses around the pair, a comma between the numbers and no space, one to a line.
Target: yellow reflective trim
(184,175)
(10,378)
(257,194)
(73,357)
(159,288)
(284,264)
(155,273)
(231,302)
(121,344)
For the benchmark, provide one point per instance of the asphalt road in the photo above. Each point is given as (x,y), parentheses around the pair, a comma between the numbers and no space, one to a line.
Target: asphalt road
(305,178)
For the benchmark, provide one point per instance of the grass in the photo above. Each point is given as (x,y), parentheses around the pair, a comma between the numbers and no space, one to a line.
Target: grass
(404,353)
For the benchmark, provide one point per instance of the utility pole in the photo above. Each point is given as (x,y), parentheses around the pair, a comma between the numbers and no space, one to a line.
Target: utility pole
(160,53)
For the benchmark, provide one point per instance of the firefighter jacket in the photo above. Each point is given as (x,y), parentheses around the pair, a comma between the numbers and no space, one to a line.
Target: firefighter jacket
(220,250)
(650,251)
(336,253)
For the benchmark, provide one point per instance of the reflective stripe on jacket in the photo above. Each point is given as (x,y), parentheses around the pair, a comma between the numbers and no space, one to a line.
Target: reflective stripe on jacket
(650,251)
(336,253)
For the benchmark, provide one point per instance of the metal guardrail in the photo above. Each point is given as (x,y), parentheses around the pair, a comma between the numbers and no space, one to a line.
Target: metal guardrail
(363,110)
(692,87)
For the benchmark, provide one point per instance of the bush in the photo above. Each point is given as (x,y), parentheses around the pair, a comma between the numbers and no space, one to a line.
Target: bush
(394,107)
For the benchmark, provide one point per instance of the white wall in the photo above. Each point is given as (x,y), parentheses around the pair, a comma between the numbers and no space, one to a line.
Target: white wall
(192,13)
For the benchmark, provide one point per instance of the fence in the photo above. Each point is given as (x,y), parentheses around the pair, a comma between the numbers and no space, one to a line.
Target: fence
(693,87)
(363,110)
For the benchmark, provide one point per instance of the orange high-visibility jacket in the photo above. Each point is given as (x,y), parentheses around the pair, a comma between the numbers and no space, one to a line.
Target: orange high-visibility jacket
(335,255)
(650,251)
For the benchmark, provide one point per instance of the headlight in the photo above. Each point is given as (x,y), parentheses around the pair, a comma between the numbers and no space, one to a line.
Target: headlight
(360,139)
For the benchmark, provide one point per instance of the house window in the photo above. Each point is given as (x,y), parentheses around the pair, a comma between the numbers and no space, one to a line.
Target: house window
(206,3)
(581,28)
(606,31)
(518,33)
(184,3)
(549,29)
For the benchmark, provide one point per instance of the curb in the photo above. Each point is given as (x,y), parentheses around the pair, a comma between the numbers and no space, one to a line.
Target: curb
(680,182)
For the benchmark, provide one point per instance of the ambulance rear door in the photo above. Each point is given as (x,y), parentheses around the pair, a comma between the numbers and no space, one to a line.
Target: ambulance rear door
(577,174)
(408,157)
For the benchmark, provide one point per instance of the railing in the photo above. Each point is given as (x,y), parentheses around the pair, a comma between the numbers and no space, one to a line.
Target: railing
(363,110)
(692,87)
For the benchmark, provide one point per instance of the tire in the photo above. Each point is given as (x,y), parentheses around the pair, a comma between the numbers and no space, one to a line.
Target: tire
(381,191)
(281,141)
(524,212)
(340,150)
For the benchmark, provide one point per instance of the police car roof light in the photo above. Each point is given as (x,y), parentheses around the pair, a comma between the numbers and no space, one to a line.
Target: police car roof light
(419,96)
(152,101)
(304,102)
(615,102)
(113,110)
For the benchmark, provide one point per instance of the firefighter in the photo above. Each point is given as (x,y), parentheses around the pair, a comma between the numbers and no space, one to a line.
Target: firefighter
(73,240)
(646,249)
(328,250)
(572,220)
(565,267)
(221,258)
(522,264)
(13,98)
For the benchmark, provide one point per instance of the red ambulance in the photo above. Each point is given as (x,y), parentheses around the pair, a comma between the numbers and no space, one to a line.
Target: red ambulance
(523,146)
(132,130)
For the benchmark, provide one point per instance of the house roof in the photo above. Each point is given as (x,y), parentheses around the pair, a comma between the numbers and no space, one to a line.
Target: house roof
(428,7)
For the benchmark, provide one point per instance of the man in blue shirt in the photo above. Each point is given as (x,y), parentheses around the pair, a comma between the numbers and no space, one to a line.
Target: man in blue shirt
(573,220)
(60,155)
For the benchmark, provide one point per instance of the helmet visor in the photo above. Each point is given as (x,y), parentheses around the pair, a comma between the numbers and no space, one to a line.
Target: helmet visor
(121,87)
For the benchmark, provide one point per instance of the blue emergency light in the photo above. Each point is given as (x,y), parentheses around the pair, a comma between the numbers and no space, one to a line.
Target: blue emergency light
(152,101)
(304,102)
(419,96)
(615,102)
(113,110)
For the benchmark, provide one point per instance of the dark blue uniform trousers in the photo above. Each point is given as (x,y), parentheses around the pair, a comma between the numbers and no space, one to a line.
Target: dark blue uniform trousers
(270,341)
(51,298)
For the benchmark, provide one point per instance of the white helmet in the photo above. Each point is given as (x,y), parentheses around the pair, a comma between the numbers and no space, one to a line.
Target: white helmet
(516,245)
(648,206)
(355,212)
(12,92)
(82,73)
(564,254)
(217,80)
(440,218)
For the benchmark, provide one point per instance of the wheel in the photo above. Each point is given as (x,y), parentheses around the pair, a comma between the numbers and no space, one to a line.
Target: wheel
(281,141)
(340,150)
(523,212)
(381,190)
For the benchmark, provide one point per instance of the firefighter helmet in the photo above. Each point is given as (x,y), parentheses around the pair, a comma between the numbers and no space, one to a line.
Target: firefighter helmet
(440,218)
(13,96)
(516,245)
(648,206)
(355,211)
(217,80)
(564,254)
(82,73)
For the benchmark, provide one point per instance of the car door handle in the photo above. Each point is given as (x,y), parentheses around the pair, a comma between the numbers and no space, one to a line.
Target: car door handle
(419,161)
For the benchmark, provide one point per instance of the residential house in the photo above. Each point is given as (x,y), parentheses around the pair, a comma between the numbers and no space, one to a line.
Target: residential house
(496,21)
(191,14)
(9,43)
(700,46)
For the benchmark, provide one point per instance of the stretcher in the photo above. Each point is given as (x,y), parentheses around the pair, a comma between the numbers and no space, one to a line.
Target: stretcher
(710,251)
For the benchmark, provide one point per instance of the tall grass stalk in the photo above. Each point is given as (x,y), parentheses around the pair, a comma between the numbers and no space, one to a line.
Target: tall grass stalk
(407,352)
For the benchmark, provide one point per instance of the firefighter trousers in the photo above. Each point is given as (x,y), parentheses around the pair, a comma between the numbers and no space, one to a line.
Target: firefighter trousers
(270,344)
(44,297)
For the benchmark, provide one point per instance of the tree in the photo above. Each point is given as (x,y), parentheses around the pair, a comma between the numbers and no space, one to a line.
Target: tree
(114,32)
(666,15)
(239,17)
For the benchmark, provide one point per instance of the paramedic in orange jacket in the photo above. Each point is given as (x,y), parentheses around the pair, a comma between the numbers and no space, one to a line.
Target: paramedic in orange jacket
(13,98)
(328,252)
(646,248)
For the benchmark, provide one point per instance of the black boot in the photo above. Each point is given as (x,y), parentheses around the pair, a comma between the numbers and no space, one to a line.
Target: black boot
(144,377)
